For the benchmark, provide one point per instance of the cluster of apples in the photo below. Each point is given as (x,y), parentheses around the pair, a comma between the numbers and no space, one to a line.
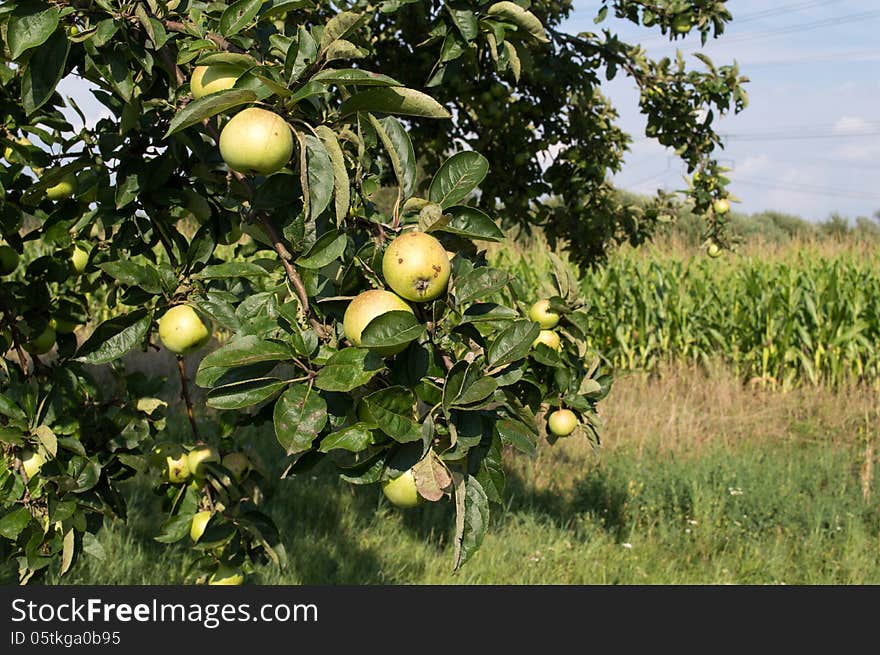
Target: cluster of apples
(560,422)
(417,268)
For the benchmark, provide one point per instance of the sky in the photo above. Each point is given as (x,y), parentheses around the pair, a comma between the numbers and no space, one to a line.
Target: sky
(809,141)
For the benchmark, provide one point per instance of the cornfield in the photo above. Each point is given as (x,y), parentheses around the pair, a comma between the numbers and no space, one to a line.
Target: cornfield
(781,321)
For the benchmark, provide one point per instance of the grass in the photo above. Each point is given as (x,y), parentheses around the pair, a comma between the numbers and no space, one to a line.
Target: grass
(701,481)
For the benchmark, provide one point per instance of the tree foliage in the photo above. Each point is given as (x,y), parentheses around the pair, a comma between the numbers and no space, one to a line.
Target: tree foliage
(117,222)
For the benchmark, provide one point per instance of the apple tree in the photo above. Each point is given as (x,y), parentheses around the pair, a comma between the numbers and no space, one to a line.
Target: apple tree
(231,203)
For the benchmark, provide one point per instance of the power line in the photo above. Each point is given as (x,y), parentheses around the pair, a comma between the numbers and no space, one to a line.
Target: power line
(783,9)
(802,27)
(808,188)
(794,136)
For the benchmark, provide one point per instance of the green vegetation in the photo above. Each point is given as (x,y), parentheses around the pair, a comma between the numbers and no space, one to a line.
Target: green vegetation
(805,315)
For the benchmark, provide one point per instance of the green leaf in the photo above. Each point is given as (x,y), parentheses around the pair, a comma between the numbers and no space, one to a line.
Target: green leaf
(14,522)
(240,61)
(354,439)
(479,283)
(40,78)
(338,27)
(115,337)
(399,141)
(207,106)
(300,415)
(465,20)
(522,18)
(316,174)
(328,248)
(300,56)
(393,410)
(238,15)
(518,435)
(242,351)
(483,312)
(342,49)
(479,390)
(133,275)
(513,343)
(231,269)
(10,409)
(394,100)
(341,183)
(470,223)
(30,25)
(353,77)
(391,329)
(239,395)
(348,369)
(457,177)
(471,517)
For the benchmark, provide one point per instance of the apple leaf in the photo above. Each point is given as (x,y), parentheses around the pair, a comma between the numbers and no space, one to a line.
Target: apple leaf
(115,337)
(237,16)
(393,410)
(353,77)
(522,18)
(518,435)
(339,27)
(354,439)
(239,395)
(208,106)
(457,177)
(14,522)
(341,183)
(469,222)
(39,81)
(513,343)
(30,25)
(401,101)
(316,174)
(329,247)
(391,329)
(471,517)
(348,369)
(479,283)
(300,415)
(300,55)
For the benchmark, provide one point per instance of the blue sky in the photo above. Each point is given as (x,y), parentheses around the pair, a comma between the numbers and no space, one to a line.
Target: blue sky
(809,142)
(814,67)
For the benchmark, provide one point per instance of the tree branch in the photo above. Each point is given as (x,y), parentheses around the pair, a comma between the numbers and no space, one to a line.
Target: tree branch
(184,394)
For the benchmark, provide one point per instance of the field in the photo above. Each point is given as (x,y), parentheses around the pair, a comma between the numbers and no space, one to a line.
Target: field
(734,453)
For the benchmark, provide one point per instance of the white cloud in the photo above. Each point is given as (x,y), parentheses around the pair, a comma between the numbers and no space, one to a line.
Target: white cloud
(850,124)
(751,165)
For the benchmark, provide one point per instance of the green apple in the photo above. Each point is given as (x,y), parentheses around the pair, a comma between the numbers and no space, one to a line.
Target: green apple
(416,266)
(713,250)
(8,260)
(31,462)
(540,313)
(226,575)
(238,464)
(63,189)
(62,326)
(721,206)
(199,456)
(182,331)
(256,141)
(683,22)
(402,491)
(79,259)
(562,422)
(9,151)
(199,523)
(549,338)
(42,343)
(161,450)
(177,467)
(364,308)
(213,78)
